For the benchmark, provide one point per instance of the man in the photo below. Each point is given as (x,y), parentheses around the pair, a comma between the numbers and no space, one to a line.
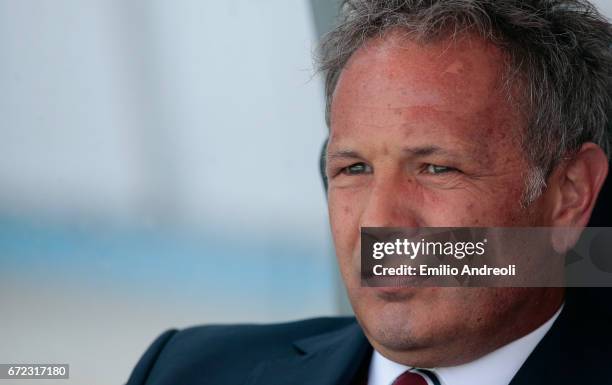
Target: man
(442,113)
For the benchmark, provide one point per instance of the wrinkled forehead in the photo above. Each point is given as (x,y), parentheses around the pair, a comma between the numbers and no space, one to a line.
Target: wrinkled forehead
(463,77)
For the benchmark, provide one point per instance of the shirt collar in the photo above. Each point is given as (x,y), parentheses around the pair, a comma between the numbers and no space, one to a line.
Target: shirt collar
(495,368)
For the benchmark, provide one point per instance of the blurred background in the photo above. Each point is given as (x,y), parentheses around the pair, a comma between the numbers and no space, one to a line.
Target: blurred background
(158,169)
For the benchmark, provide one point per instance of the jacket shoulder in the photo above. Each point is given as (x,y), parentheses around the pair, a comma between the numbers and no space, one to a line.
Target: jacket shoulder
(223,353)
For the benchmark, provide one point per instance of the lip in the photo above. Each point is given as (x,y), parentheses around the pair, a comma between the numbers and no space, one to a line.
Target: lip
(395,294)
(393,282)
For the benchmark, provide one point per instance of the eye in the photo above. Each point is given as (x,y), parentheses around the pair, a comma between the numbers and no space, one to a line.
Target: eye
(436,170)
(356,169)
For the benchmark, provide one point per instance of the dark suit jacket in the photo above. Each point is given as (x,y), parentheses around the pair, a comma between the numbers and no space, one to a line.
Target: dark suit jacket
(577,350)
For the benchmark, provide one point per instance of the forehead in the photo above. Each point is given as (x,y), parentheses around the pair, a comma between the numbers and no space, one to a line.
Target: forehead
(454,82)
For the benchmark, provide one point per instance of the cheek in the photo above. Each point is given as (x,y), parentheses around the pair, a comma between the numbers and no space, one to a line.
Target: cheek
(502,208)
(473,208)
(343,217)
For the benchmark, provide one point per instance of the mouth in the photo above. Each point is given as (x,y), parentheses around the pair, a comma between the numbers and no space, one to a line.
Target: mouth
(369,279)
(394,294)
(388,288)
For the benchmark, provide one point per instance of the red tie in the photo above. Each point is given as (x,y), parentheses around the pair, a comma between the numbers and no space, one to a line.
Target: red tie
(410,378)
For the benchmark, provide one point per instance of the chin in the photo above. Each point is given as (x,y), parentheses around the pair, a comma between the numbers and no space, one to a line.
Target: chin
(393,317)
(412,336)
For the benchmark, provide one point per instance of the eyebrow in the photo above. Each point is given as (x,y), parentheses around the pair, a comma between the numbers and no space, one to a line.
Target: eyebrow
(343,154)
(417,152)
(422,151)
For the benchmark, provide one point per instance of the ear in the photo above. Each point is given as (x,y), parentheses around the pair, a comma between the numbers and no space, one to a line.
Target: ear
(323,164)
(578,181)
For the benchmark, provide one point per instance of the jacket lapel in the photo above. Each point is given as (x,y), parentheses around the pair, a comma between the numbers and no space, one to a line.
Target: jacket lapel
(326,359)
(543,364)
(577,348)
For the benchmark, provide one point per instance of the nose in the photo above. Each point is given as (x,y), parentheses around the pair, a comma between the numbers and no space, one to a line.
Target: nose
(393,201)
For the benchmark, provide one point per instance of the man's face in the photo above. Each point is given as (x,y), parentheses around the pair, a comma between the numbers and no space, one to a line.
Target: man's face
(422,135)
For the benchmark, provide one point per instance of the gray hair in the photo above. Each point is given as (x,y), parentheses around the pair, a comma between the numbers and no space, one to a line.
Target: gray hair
(560,50)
